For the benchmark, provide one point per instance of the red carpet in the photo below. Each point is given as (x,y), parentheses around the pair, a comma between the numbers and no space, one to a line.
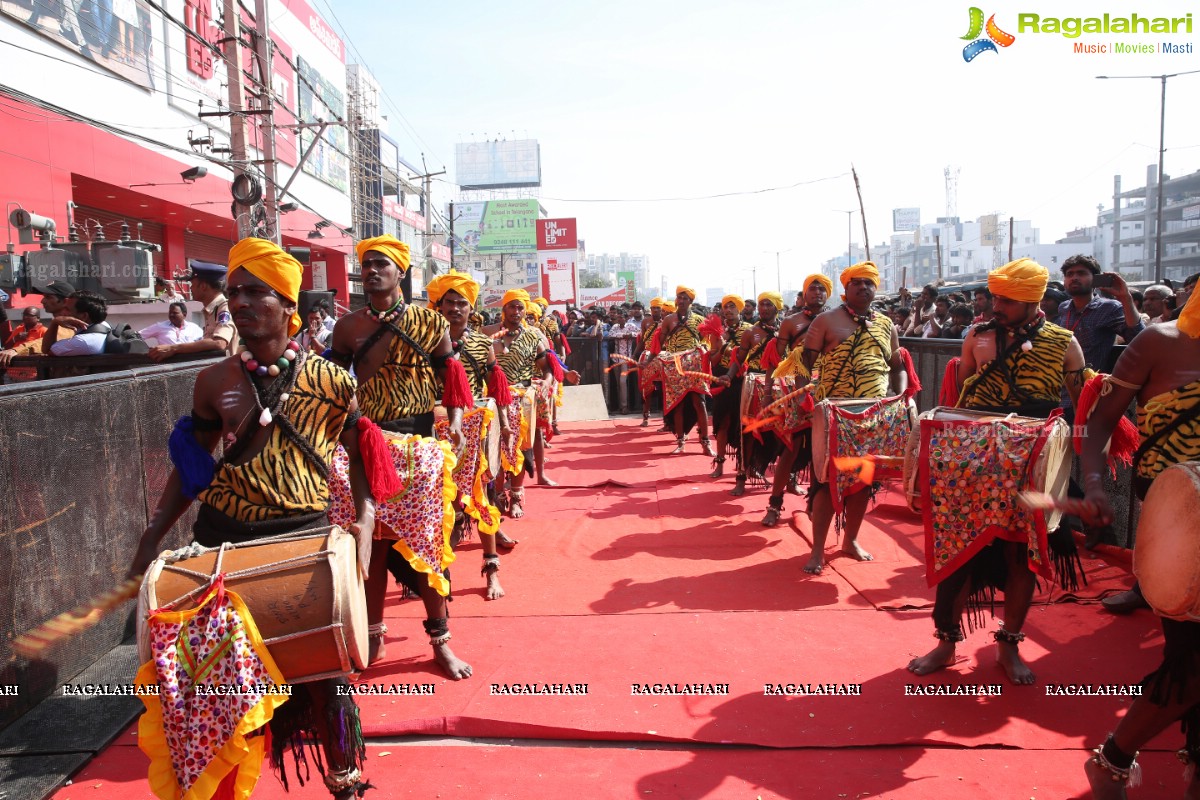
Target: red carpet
(516,772)
(639,569)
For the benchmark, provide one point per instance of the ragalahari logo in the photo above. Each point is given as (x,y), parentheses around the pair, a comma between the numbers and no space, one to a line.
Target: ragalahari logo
(995,36)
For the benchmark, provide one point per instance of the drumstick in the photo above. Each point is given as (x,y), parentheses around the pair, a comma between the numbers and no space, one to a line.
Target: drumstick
(1043,501)
(789,396)
(865,466)
(32,644)
(751,424)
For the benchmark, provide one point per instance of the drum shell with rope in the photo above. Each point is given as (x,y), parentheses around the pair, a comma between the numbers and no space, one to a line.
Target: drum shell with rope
(304,591)
(491,444)
(759,391)
(1166,558)
(823,418)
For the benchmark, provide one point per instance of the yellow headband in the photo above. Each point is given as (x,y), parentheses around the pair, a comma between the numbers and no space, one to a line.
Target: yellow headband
(266,261)
(459,282)
(1023,280)
(691,293)
(732,298)
(515,294)
(1189,318)
(774,298)
(865,269)
(821,279)
(390,246)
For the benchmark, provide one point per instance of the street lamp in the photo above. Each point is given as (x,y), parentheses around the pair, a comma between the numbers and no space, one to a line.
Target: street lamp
(778,274)
(1162,130)
(849,214)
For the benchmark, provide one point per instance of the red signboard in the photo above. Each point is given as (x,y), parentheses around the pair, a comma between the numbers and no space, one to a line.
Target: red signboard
(317,27)
(557,234)
(201,33)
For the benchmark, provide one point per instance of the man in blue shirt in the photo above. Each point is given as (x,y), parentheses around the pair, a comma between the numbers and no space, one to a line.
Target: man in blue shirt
(85,313)
(1096,321)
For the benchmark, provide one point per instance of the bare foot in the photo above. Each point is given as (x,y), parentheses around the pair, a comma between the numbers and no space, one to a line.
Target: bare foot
(505,541)
(718,468)
(854,550)
(678,447)
(706,446)
(494,590)
(1018,671)
(939,657)
(515,509)
(542,480)
(815,564)
(792,488)
(739,486)
(1102,783)
(376,649)
(455,668)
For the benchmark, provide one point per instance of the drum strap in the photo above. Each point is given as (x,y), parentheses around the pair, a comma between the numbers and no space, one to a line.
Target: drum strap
(378,334)
(1000,362)
(475,367)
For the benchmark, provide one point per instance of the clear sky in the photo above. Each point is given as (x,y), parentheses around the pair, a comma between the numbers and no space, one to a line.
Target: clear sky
(637,101)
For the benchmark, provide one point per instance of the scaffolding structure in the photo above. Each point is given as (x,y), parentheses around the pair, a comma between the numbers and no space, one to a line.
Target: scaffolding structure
(366,168)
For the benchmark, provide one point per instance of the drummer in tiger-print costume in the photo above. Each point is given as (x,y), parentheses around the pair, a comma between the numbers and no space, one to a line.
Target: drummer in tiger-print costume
(454,295)
(523,354)
(548,324)
(647,380)
(401,354)
(1018,363)
(797,454)
(684,384)
(1161,371)
(859,354)
(285,411)
(726,405)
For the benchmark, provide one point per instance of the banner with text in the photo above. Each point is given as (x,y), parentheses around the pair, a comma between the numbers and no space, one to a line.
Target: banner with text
(558,249)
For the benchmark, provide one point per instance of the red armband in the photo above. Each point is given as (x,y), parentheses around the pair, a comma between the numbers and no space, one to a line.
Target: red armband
(456,392)
(770,357)
(556,367)
(377,461)
(1125,437)
(949,392)
(914,382)
(497,387)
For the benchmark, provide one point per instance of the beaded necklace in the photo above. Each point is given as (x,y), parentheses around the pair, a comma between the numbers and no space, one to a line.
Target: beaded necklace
(384,317)
(271,398)
(860,319)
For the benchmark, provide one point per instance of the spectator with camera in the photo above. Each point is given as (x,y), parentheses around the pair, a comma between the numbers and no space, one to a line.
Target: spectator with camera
(1097,321)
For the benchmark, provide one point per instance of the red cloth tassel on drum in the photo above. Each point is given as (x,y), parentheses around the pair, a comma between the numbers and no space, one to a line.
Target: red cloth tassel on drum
(770,358)
(656,341)
(456,391)
(949,393)
(1125,437)
(377,461)
(497,387)
(712,326)
(914,382)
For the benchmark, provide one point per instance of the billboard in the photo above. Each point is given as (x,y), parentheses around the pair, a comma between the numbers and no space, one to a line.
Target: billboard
(495,226)
(122,36)
(498,165)
(906,219)
(322,99)
(558,249)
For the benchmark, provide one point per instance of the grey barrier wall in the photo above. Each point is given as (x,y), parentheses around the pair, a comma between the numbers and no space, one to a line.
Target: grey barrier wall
(84,460)
(585,358)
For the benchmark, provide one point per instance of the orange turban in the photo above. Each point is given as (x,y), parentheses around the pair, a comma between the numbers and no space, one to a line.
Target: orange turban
(515,294)
(273,266)
(774,298)
(452,281)
(541,301)
(685,290)
(668,307)
(656,302)
(732,298)
(865,269)
(390,246)
(1023,280)
(1189,318)
(533,310)
(821,279)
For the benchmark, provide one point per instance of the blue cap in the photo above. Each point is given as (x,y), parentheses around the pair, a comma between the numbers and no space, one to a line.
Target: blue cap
(206,269)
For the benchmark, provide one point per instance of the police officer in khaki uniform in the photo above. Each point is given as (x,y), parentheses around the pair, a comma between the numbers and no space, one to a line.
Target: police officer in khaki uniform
(208,286)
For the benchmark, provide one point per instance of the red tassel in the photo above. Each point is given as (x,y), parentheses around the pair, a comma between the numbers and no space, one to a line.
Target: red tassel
(566,346)
(770,358)
(949,393)
(712,326)
(497,387)
(1125,437)
(555,366)
(656,341)
(456,390)
(914,383)
(377,461)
